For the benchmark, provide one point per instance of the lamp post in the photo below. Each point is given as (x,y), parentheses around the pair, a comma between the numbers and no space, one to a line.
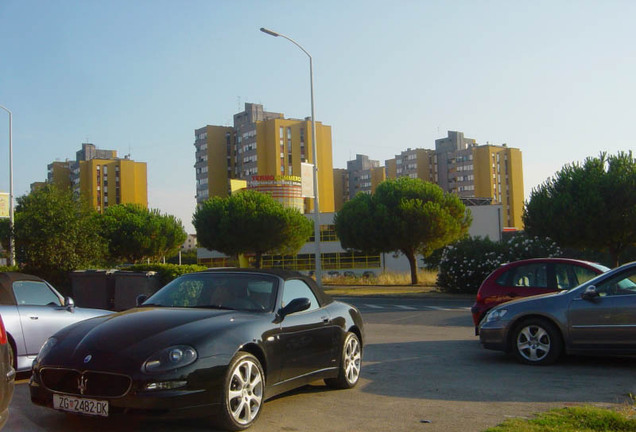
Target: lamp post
(314,153)
(11,240)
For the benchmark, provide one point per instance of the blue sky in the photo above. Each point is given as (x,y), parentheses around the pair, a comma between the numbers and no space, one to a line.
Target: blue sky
(556,79)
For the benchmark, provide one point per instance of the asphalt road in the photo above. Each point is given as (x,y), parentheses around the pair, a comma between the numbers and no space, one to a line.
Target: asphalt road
(423,370)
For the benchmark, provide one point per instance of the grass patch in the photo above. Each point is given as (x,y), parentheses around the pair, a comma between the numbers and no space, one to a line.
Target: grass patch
(574,419)
(427,278)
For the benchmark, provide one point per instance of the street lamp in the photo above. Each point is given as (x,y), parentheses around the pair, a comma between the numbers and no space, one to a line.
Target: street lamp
(314,145)
(11,240)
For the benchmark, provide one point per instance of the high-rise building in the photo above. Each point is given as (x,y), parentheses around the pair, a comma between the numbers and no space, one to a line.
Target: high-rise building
(414,163)
(340,187)
(262,144)
(102,178)
(482,171)
(361,174)
(458,165)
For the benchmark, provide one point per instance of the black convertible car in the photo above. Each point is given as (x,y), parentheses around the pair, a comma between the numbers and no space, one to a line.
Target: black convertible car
(214,344)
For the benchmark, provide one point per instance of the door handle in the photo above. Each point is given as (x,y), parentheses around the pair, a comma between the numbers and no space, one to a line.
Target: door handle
(34,317)
(325,319)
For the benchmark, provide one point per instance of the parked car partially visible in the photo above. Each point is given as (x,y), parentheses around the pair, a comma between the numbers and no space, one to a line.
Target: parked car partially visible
(530,277)
(7,375)
(597,317)
(32,311)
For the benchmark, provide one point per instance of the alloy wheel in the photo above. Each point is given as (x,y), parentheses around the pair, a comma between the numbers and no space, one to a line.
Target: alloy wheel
(245,392)
(533,343)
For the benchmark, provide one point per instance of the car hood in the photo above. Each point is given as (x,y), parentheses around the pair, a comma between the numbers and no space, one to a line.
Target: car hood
(131,336)
(85,313)
(539,298)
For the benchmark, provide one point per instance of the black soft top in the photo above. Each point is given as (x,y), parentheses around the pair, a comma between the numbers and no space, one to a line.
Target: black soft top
(6,285)
(323,298)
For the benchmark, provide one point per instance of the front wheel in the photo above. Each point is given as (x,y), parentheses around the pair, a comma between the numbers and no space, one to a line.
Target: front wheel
(537,342)
(243,392)
(350,363)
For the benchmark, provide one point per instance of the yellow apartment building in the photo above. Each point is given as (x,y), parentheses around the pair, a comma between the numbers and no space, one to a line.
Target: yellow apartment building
(102,178)
(498,174)
(108,182)
(262,144)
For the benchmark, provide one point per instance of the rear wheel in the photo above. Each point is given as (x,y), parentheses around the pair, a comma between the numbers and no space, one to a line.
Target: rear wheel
(537,342)
(350,363)
(12,358)
(243,392)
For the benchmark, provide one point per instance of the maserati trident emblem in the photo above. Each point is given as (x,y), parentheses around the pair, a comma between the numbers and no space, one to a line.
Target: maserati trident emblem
(88,358)
(82,382)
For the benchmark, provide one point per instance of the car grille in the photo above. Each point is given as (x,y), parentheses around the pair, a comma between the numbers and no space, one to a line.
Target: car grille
(89,383)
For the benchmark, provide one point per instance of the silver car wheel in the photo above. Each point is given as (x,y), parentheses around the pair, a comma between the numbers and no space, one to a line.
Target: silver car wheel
(245,392)
(352,357)
(533,343)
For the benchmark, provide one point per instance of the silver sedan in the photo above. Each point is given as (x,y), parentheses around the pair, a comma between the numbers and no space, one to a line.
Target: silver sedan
(32,310)
(597,317)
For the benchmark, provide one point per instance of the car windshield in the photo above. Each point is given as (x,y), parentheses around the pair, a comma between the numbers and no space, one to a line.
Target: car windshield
(592,281)
(600,267)
(236,291)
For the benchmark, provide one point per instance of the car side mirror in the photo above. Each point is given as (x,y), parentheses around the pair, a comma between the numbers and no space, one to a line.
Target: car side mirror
(296,305)
(69,303)
(140,299)
(590,293)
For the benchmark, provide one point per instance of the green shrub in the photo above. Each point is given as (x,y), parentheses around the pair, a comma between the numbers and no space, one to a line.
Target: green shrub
(167,272)
(9,269)
(465,264)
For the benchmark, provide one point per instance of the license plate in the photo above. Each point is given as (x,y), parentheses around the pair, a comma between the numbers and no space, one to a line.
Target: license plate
(80,405)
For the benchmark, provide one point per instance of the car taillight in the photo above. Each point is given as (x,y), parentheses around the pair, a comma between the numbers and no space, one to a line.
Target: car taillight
(479,298)
(3,333)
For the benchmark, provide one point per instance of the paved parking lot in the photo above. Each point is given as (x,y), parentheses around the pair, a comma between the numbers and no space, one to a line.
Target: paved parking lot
(423,371)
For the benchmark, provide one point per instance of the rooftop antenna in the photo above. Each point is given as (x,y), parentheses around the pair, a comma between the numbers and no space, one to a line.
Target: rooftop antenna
(238,104)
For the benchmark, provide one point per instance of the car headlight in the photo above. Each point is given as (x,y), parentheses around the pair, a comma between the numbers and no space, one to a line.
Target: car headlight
(170,358)
(496,315)
(46,348)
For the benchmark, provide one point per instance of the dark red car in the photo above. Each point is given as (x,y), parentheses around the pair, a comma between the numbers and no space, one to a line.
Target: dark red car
(531,277)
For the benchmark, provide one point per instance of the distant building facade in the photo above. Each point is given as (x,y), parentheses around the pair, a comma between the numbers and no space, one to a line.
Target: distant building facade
(482,171)
(262,145)
(458,165)
(190,243)
(102,178)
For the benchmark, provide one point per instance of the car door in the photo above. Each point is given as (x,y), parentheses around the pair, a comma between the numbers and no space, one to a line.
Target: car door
(41,313)
(609,320)
(308,338)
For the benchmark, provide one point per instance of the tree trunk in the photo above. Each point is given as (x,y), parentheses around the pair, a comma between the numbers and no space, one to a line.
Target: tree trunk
(615,255)
(410,255)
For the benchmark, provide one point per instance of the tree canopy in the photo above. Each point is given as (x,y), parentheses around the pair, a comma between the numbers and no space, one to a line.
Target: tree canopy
(250,222)
(404,215)
(135,233)
(55,234)
(588,206)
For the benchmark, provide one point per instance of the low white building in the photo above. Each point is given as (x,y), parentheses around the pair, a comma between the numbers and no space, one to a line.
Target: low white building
(487,222)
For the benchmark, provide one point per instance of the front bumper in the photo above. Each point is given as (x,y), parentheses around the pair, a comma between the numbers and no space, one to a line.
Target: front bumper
(493,335)
(200,397)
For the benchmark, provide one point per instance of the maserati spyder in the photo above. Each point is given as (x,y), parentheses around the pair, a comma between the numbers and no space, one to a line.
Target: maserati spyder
(213,344)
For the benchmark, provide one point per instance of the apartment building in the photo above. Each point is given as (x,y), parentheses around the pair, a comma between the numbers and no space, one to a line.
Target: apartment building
(102,178)
(482,171)
(414,163)
(259,144)
(458,165)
